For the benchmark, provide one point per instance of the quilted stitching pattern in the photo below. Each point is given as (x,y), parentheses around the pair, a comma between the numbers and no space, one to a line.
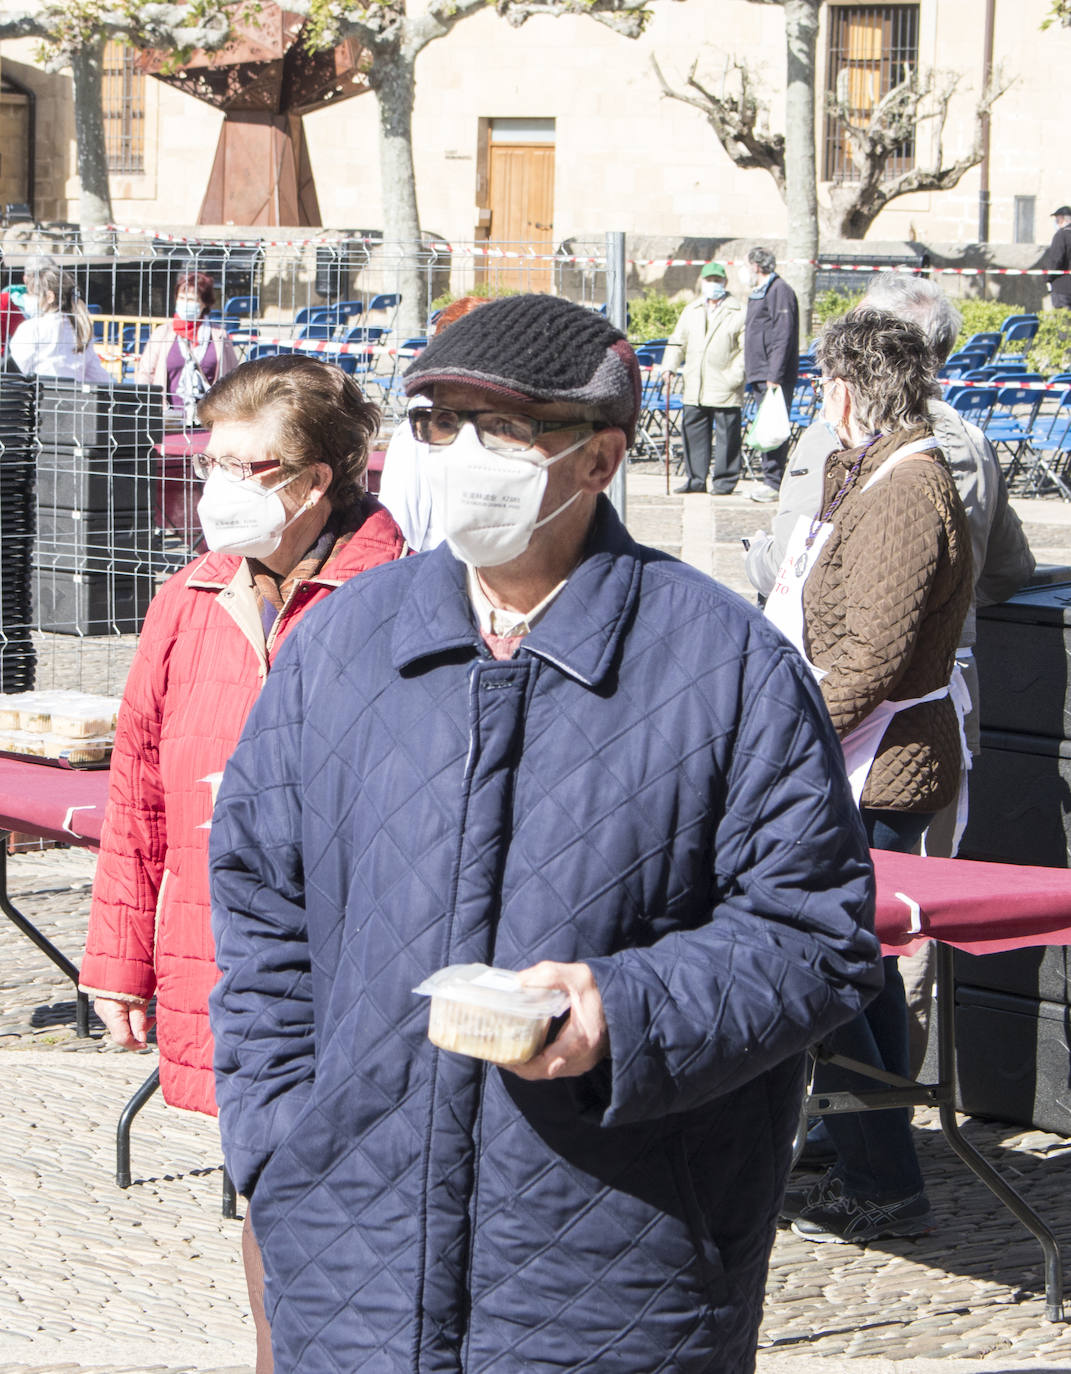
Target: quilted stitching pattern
(884,610)
(193,680)
(653,785)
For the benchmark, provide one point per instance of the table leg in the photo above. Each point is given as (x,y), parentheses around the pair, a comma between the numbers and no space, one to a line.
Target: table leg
(980,1167)
(230,1197)
(122,1131)
(45,945)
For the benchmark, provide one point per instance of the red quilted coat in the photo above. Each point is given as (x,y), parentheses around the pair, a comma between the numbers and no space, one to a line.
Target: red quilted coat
(199,666)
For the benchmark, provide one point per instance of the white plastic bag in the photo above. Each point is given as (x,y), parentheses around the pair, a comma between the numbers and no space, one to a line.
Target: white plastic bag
(770,427)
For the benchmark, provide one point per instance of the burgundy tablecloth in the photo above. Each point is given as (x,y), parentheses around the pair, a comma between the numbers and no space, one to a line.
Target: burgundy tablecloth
(55,803)
(980,907)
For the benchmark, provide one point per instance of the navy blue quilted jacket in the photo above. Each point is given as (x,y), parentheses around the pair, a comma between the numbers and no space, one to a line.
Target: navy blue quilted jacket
(652,786)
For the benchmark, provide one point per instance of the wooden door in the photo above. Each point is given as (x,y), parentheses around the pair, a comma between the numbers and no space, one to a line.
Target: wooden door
(14,148)
(522,213)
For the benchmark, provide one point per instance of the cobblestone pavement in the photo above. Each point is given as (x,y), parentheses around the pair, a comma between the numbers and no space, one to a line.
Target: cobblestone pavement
(95,1280)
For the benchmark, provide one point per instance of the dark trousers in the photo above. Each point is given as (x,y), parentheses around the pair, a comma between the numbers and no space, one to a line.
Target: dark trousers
(876,1156)
(697,426)
(773,465)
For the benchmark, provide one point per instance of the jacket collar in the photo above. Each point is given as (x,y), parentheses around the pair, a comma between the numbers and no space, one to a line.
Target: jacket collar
(580,632)
(376,540)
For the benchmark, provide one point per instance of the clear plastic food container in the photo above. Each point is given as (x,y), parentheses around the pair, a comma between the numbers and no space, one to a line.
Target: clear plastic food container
(486,1013)
(72,714)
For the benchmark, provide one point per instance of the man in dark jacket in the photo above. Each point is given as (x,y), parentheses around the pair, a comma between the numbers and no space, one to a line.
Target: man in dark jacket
(543,748)
(771,350)
(1058,259)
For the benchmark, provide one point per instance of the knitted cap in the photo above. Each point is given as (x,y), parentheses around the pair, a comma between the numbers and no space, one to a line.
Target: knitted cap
(537,348)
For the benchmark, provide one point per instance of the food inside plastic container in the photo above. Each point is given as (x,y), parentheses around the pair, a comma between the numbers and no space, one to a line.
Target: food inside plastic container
(9,709)
(79,726)
(73,714)
(77,751)
(486,1013)
(86,718)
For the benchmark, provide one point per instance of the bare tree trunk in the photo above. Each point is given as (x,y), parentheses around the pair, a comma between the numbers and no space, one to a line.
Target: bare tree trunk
(801,184)
(95,201)
(392,78)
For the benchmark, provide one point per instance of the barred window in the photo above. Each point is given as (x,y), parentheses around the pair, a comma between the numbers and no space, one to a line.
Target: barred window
(872,48)
(124,109)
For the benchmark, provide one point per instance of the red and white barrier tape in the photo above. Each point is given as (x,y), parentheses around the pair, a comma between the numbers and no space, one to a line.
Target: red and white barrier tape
(515,255)
(1009,382)
(309,345)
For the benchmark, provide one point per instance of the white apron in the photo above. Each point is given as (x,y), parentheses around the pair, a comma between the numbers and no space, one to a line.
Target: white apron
(784,608)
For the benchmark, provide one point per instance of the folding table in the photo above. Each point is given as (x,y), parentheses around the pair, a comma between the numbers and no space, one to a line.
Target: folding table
(982,908)
(63,804)
(67,804)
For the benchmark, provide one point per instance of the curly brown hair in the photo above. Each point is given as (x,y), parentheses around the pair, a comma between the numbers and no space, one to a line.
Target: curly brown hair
(316,412)
(887,364)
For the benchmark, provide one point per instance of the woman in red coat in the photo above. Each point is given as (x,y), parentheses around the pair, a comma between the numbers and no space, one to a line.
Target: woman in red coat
(287,520)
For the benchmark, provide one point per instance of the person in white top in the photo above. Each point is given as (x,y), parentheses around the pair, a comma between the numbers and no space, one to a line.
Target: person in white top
(403,487)
(57,338)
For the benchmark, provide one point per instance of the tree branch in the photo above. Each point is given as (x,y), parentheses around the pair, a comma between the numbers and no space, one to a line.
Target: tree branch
(22,26)
(854,205)
(627,17)
(733,118)
(67,28)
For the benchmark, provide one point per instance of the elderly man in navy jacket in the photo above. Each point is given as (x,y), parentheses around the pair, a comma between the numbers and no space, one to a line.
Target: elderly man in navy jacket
(771,350)
(547,749)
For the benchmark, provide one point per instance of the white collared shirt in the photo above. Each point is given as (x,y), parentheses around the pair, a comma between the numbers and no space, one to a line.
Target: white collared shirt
(496,621)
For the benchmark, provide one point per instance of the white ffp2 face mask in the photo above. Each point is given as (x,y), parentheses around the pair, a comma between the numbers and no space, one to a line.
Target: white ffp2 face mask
(487,504)
(243,517)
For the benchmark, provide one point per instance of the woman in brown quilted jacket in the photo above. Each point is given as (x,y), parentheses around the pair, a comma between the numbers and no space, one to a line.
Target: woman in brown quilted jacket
(874,591)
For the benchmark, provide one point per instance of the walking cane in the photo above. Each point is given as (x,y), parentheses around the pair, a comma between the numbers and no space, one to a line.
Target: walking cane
(669,383)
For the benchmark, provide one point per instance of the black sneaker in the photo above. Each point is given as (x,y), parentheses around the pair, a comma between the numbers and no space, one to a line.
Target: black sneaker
(798,1199)
(839,1217)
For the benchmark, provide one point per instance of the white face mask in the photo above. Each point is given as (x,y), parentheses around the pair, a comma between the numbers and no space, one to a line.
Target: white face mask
(242,517)
(712,289)
(487,504)
(187,309)
(29,306)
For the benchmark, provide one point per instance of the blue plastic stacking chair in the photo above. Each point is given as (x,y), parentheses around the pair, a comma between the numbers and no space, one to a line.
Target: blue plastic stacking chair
(1049,450)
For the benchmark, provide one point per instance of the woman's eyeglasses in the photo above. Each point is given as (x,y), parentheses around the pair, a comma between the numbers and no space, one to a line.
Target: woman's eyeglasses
(234,469)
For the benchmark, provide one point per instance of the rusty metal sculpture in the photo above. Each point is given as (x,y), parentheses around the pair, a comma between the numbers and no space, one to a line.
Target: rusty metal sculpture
(264,82)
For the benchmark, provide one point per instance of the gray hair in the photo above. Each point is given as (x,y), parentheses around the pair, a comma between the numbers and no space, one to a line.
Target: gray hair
(887,364)
(763,259)
(46,279)
(919,301)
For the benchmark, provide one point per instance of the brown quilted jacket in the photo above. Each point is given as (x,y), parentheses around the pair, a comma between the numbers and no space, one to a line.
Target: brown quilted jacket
(883,609)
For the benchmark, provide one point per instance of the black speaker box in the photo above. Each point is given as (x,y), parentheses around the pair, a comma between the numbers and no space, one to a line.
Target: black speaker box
(81,541)
(91,603)
(95,479)
(71,415)
(1020,800)
(1019,1067)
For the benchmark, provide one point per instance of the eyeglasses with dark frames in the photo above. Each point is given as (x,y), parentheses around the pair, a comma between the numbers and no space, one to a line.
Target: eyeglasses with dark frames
(499,431)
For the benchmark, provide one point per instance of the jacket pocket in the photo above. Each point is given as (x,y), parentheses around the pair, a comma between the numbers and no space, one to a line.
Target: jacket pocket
(159,911)
(707,1255)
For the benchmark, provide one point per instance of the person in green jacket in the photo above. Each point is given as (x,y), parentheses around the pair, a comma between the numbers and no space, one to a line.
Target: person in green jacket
(708,347)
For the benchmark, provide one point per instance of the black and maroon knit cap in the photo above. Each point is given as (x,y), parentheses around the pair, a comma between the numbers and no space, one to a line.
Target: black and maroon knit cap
(537,348)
